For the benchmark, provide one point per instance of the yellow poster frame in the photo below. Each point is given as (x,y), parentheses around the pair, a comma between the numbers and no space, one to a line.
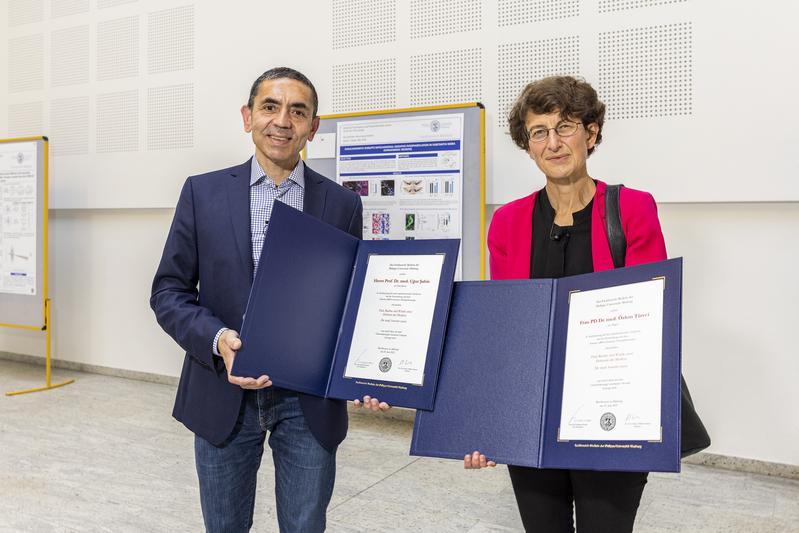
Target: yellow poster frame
(47,325)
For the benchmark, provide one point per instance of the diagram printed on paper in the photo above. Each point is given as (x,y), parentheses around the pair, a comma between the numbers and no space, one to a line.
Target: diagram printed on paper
(18,168)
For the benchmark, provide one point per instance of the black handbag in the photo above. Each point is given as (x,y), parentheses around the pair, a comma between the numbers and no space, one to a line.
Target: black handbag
(694,436)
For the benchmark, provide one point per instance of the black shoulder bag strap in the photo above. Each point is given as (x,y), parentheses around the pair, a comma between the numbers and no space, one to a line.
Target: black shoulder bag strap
(616,238)
(694,436)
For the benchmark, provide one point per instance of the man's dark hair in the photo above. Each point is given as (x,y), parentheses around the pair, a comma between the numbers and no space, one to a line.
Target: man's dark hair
(284,72)
(572,97)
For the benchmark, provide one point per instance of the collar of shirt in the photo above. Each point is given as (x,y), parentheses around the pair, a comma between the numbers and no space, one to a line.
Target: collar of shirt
(297,175)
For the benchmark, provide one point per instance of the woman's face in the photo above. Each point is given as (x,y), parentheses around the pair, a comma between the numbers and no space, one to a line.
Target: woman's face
(558,155)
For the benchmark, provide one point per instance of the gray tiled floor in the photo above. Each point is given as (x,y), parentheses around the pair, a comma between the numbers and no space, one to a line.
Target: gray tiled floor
(104,454)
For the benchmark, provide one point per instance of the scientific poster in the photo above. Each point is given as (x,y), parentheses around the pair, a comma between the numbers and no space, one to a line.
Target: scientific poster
(408,172)
(18,168)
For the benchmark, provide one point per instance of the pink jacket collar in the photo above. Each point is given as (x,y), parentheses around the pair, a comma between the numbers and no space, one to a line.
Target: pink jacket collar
(519,253)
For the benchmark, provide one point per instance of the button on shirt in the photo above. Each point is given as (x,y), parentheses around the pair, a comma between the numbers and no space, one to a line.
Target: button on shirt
(263,194)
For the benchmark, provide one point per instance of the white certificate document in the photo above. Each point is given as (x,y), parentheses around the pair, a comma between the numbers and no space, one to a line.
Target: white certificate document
(611,383)
(392,329)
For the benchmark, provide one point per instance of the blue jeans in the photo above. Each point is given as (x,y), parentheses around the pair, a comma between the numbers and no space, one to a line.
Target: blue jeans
(304,470)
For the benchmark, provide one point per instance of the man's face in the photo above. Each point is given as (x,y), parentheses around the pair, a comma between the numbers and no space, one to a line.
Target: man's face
(281,121)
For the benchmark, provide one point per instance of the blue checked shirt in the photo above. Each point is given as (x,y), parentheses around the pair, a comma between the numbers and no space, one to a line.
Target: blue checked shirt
(263,193)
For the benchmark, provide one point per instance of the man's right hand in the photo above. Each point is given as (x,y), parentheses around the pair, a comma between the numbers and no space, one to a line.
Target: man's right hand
(227,346)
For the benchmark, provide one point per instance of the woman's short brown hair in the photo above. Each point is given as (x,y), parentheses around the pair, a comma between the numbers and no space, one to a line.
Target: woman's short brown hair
(573,98)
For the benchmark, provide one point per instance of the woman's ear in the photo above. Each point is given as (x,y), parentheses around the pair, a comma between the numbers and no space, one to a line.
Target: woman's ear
(593,131)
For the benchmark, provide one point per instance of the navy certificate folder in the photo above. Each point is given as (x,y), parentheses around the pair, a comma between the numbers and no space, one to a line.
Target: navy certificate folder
(500,387)
(304,302)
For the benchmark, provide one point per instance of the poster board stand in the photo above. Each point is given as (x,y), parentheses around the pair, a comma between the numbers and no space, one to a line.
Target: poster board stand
(24,165)
(48,384)
(420,172)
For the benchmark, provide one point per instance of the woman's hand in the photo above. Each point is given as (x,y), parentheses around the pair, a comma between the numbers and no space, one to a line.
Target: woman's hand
(476,461)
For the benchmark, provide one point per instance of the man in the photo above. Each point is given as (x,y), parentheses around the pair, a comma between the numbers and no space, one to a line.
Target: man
(199,297)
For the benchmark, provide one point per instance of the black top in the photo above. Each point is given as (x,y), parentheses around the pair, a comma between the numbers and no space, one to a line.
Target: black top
(560,250)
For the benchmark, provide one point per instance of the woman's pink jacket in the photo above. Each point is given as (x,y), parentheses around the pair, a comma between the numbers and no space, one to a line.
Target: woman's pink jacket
(510,235)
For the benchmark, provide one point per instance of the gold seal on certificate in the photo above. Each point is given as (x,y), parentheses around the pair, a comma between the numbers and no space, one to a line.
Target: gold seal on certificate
(392,328)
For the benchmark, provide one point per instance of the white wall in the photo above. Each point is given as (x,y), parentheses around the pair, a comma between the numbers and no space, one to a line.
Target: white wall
(739,310)
(740,314)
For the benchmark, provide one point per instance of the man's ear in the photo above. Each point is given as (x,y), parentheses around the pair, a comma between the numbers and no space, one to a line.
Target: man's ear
(314,128)
(246,116)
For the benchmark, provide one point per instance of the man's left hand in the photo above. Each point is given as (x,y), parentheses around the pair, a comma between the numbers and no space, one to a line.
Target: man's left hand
(372,404)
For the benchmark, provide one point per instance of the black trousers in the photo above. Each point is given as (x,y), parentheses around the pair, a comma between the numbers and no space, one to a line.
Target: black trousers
(604,502)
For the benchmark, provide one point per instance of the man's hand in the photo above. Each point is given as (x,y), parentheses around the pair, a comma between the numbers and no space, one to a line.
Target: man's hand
(372,404)
(476,460)
(227,346)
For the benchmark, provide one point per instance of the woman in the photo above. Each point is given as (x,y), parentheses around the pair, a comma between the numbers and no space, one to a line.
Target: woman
(560,231)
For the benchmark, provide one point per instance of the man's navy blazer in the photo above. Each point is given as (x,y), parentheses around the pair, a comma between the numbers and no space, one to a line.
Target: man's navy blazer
(203,283)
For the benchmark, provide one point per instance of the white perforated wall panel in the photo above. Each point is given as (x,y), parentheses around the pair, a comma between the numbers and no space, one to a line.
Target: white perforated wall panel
(118,48)
(103,4)
(25,119)
(363,22)
(69,126)
(606,6)
(69,56)
(170,117)
(65,8)
(520,63)
(25,12)
(663,68)
(117,122)
(365,86)
(447,77)
(170,40)
(646,72)
(512,12)
(442,17)
(25,63)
